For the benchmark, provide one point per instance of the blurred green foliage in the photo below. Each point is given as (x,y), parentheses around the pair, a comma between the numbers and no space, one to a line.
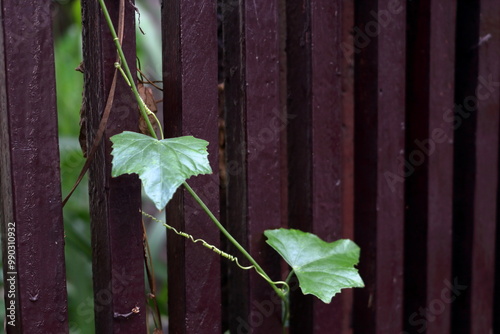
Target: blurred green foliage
(69,83)
(78,252)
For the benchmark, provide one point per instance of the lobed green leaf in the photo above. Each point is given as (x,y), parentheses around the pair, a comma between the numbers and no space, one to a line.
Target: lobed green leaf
(162,165)
(322,268)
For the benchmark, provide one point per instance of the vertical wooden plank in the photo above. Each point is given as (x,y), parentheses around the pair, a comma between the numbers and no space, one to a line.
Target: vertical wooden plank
(440,131)
(428,161)
(263,126)
(439,238)
(476,164)
(379,42)
(117,248)
(191,108)
(31,212)
(486,178)
(254,127)
(315,142)
(496,307)
(496,298)
(347,61)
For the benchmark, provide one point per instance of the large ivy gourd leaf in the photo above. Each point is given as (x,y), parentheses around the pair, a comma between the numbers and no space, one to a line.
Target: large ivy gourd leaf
(322,268)
(162,165)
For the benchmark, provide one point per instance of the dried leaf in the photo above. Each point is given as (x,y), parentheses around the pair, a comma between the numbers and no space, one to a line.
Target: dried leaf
(147,96)
(82,138)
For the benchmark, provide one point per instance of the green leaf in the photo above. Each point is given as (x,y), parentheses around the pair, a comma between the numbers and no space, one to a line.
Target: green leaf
(323,268)
(162,165)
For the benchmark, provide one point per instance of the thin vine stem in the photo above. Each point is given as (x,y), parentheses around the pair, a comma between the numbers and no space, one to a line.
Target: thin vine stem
(286,303)
(142,107)
(249,257)
(126,68)
(141,101)
(234,259)
(188,236)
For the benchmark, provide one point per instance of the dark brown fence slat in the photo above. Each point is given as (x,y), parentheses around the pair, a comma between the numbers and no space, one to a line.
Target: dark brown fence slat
(254,127)
(315,142)
(117,248)
(429,158)
(190,100)
(482,129)
(379,145)
(347,183)
(496,309)
(439,197)
(485,190)
(476,161)
(30,193)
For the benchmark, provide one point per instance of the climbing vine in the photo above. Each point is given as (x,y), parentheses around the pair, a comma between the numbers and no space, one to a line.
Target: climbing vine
(164,165)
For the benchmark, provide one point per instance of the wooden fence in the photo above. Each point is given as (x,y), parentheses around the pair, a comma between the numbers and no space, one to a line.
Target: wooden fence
(372,120)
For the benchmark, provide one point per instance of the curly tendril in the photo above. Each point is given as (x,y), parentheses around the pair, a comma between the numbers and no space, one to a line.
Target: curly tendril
(285,287)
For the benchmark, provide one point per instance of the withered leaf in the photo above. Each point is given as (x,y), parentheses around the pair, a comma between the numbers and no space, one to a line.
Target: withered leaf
(147,96)
(82,138)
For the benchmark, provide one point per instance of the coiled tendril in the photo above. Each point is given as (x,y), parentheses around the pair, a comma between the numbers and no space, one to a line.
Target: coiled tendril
(216,250)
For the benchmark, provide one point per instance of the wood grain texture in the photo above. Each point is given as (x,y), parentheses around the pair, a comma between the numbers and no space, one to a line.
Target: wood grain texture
(379,144)
(191,108)
(31,211)
(117,240)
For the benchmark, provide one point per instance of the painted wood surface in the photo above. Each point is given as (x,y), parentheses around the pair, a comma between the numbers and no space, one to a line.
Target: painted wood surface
(315,141)
(30,193)
(379,147)
(429,156)
(116,228)
(191,108)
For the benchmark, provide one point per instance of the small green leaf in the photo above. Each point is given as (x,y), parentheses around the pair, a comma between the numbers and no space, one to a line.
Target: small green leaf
(162,165)
(323,268)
